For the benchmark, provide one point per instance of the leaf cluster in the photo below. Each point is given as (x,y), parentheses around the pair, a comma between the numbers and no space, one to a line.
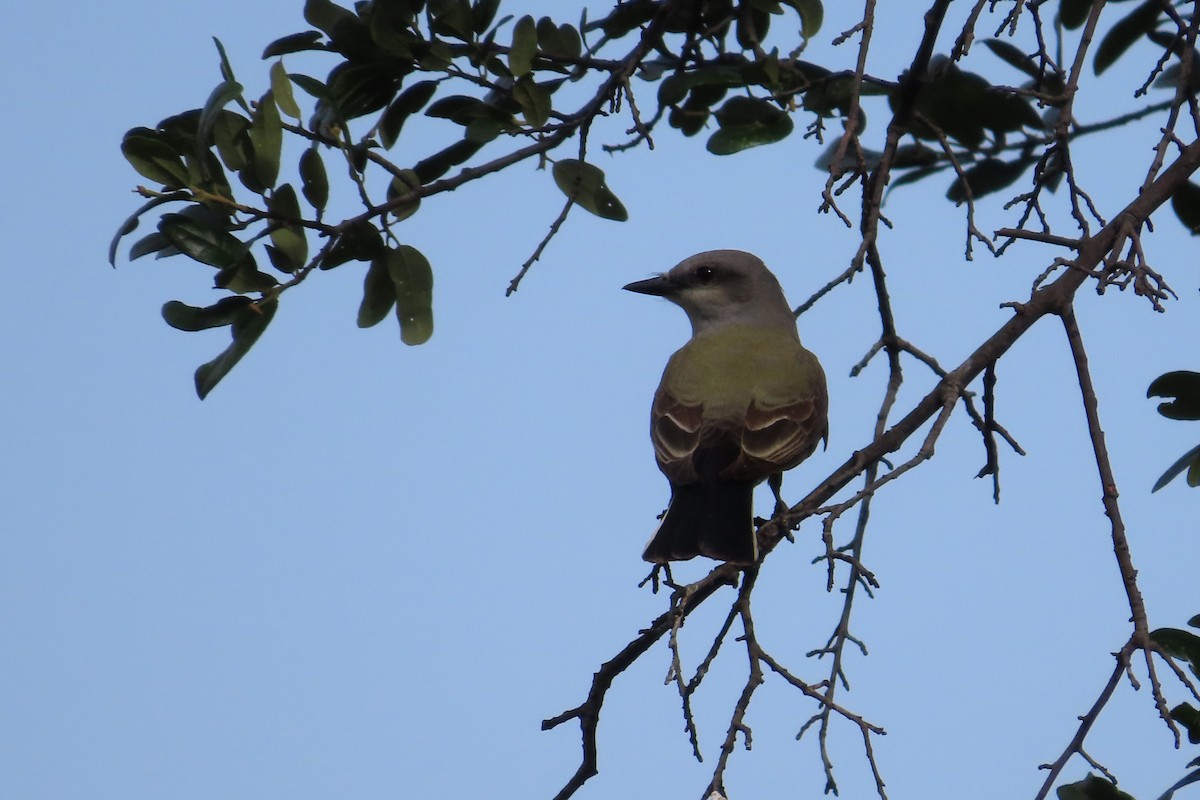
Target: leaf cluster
(226,193)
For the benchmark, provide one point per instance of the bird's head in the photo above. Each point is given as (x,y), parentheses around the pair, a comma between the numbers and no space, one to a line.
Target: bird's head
(721,287)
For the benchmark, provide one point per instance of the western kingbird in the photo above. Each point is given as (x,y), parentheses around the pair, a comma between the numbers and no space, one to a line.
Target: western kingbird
(741,402)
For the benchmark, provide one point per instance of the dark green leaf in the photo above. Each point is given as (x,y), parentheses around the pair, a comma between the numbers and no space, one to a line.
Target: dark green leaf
(359,242)
(403,184)
(1187,716)
(1185,202)
(359,89)
(310,85)
(379,293)
(989,175)
(1125,34)
(286,234)
(217,100)
(434,167)
(203,241)
(748,122)
(625,17)
(314,183)
(231,134)
(524,47)
(812,14)
(190,318)
(1013,56)
(1092,787)
(266,137)
(131,222)
(246,328)
(1072,13)
(327,16)
(675,87)
(295,43)
(558,41)
(1184,386)
(151,243)
(413,280)
(451,18)
(409,101)
(1189,461)
(584,183)
(153,158)
(535,101)
(1180,644)
(482,14)
(392,28)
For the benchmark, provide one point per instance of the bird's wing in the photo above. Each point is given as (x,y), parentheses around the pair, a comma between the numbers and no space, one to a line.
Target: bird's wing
(675,432)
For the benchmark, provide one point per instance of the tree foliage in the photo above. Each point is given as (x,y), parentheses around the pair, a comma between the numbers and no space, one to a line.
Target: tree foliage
(227,192)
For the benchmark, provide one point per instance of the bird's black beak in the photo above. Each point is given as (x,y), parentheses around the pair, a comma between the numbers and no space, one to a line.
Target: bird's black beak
(659,285)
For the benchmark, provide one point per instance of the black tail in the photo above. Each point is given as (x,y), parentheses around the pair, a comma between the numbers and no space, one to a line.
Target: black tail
(714,520)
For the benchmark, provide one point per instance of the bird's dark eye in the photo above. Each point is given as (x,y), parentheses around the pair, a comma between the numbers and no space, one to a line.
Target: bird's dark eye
(705,275)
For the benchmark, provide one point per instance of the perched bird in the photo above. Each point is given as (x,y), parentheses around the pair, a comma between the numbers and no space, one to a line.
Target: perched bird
(741,402)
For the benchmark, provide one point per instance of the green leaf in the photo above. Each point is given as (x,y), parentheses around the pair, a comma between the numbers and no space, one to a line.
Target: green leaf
(294,43)
(281,86)
(482,14)
(327,16)
(409,102)
(359,89)
(625,17)
(151,243)
(989,175)
(266,137)
(585,184)
(1184,386)
(1180,644)
(403,183)
(248,325)
(1092,787)
(1125,34)
(226,67)
(451,18)
(1187,716)
(1186,780)
(131,222)
(391,28)
(748,122)
(231,134)
(220,97)
(412,278)
(203,241)
(524,47)
(434,167)
(812,14)
(360,242)
(1185,202)
(1189,461)
(675,87)
(558,41)
(1014,56)
(153,158)
(379,294)
(314,183)
(190,318)
(535,101)
(287,236)
(1073,13)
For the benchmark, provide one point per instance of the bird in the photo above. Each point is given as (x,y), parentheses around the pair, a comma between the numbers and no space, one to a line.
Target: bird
(741,402)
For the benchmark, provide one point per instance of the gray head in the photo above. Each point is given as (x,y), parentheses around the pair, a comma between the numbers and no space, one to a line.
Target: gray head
(719,288)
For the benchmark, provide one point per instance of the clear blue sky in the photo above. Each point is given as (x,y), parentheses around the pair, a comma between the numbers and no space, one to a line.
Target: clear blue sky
(363,570)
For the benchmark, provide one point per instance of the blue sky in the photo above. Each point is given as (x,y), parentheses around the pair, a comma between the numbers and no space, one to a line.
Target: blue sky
(360,569)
